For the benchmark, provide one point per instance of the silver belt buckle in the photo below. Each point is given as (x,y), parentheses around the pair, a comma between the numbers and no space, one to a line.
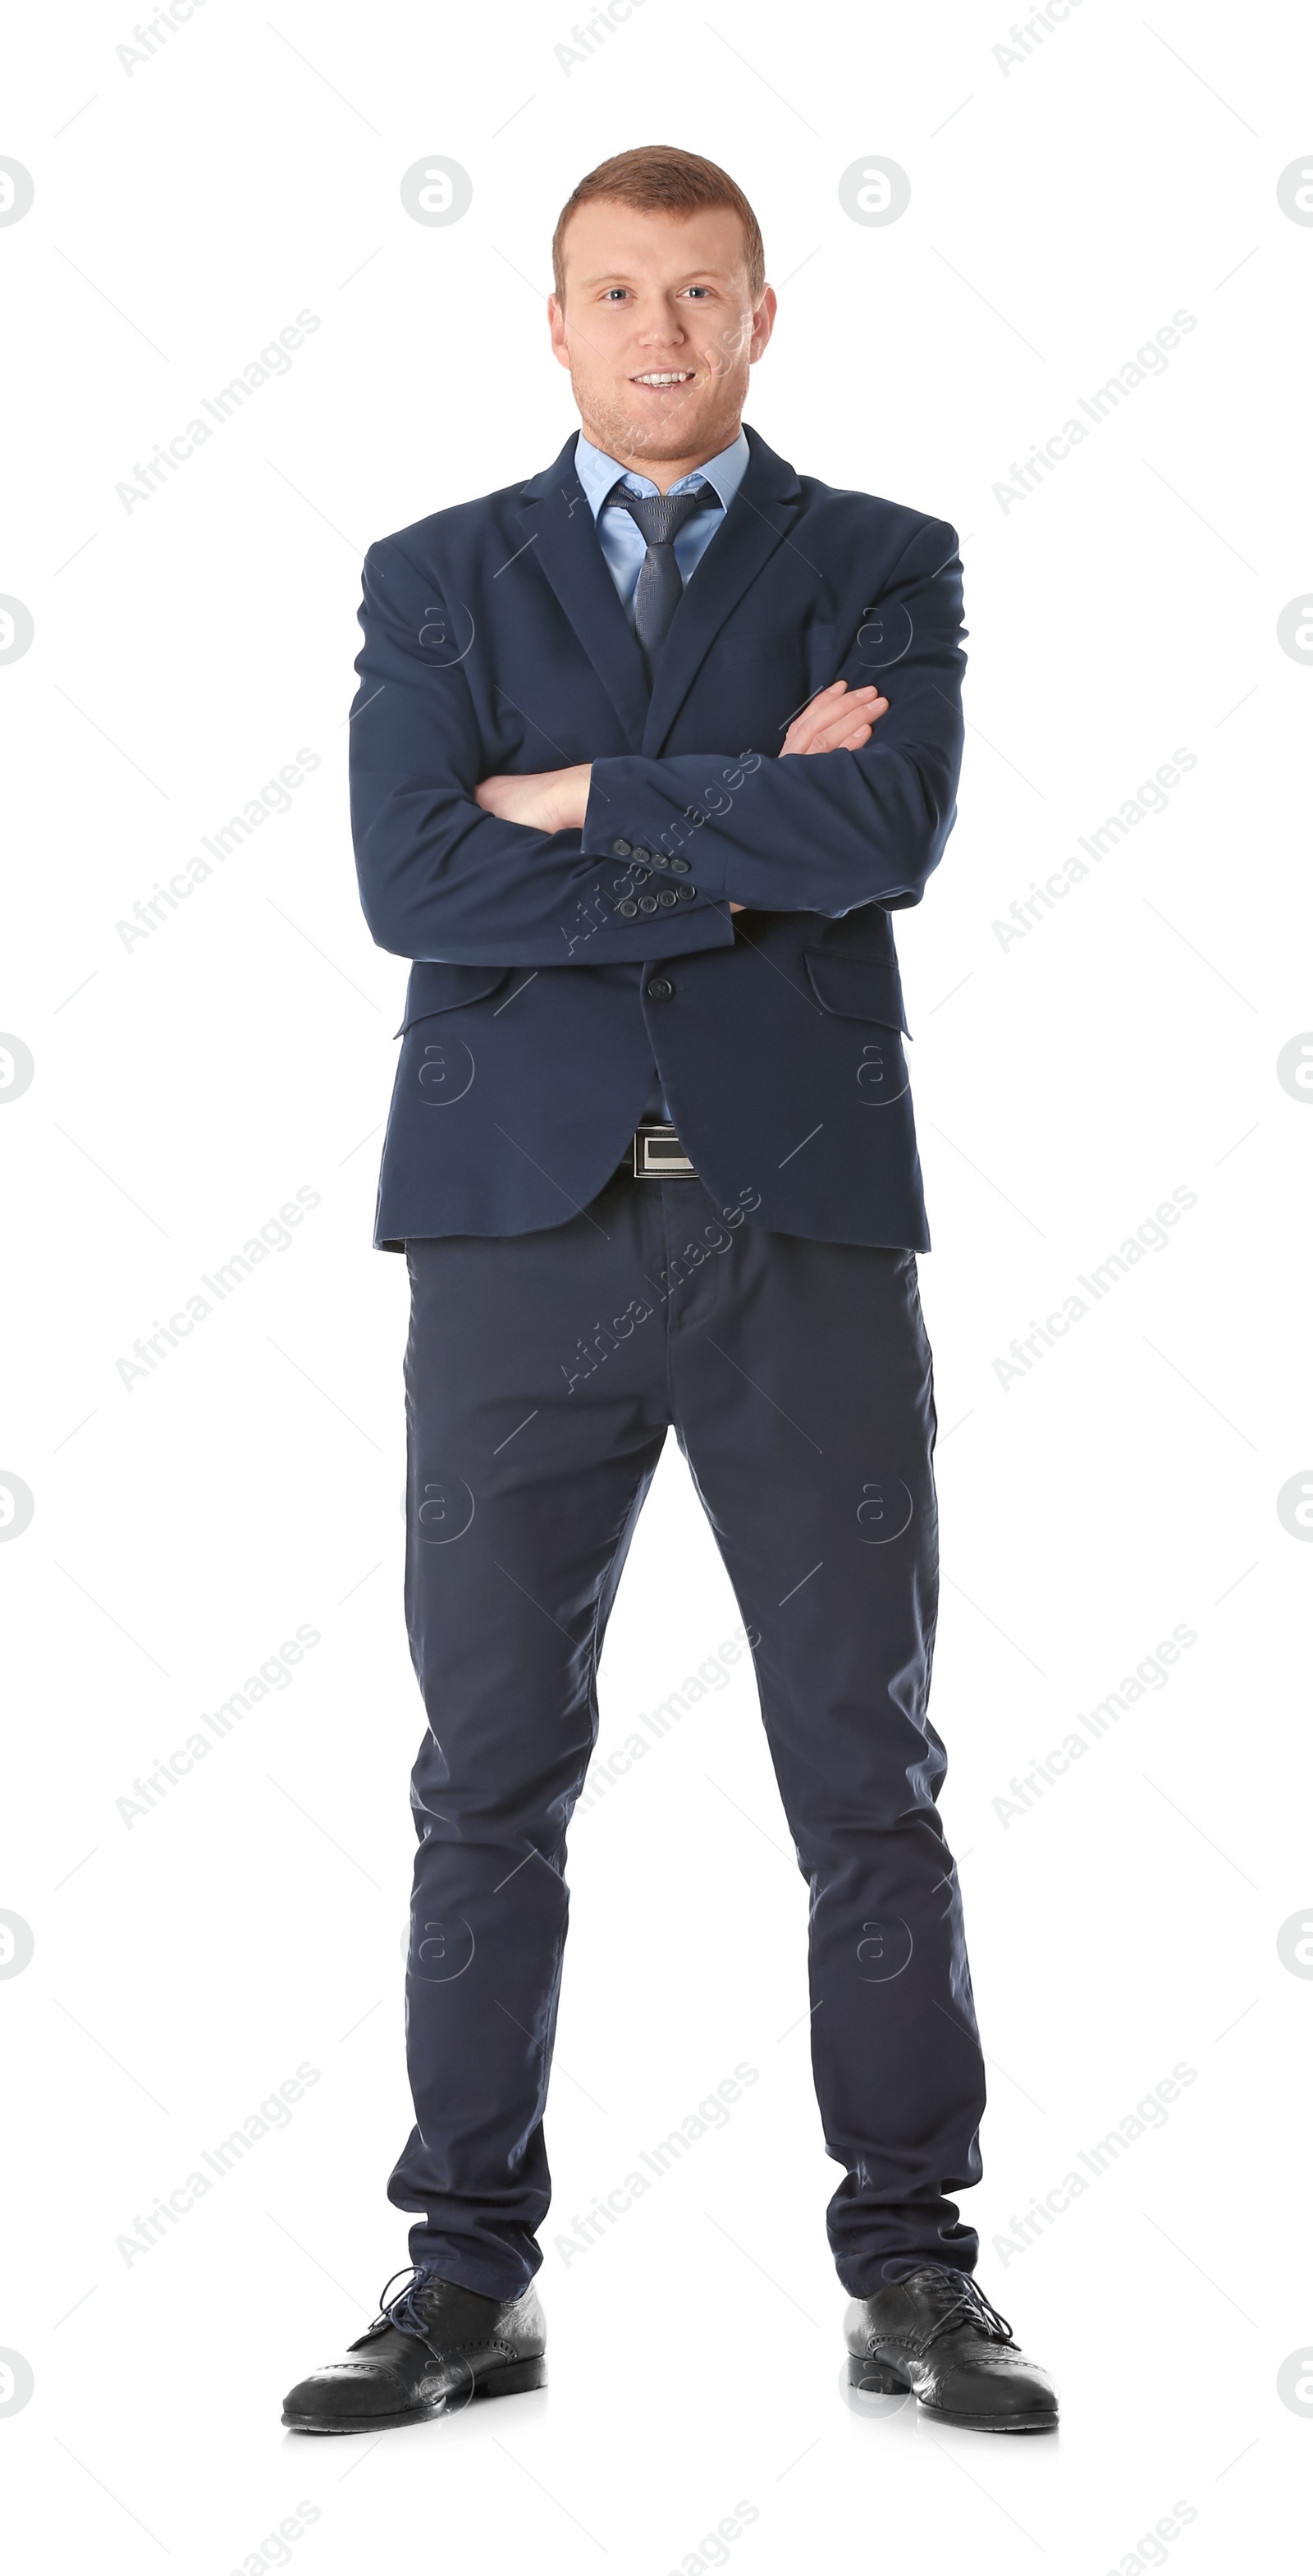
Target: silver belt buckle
(659,1156)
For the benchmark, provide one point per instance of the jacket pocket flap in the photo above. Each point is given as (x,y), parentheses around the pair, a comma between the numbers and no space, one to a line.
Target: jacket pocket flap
(857,988)
(435,986)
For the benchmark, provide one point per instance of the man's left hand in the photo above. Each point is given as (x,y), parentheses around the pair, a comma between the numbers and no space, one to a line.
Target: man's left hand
(548,800)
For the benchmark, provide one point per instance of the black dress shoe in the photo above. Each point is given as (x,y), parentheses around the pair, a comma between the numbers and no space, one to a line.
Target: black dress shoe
(937,2335)
(427,2354)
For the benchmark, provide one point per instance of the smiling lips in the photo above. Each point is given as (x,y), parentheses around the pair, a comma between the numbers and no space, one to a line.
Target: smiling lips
(662,376)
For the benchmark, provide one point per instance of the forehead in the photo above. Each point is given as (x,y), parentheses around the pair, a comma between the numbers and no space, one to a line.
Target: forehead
(605,238)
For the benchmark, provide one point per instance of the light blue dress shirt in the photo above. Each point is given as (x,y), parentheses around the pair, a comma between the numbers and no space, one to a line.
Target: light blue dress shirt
(622,544)
(620,538)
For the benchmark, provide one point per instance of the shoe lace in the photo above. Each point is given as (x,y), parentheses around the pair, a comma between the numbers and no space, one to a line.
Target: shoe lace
(966,2305)
(403,2311)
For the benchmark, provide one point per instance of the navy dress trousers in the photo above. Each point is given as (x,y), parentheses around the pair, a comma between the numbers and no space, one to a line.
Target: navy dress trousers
(565,1314)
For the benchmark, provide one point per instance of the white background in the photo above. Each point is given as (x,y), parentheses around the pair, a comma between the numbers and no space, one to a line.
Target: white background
(1062,208)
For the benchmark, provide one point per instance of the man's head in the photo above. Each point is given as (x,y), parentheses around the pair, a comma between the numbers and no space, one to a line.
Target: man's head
(660,308)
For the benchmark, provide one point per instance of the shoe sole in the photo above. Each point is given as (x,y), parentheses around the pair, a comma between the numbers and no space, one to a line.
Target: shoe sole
(880,2379)
(512,2381)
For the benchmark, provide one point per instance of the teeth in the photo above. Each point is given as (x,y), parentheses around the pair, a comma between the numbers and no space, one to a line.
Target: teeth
(676,376)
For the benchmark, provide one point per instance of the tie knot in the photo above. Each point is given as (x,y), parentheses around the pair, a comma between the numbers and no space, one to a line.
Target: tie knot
(660,515)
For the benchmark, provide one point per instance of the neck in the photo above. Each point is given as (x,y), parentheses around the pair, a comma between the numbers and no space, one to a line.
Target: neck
(663,470)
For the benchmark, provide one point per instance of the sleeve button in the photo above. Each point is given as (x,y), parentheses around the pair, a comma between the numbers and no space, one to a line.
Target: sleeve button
(621,849)
(627,910)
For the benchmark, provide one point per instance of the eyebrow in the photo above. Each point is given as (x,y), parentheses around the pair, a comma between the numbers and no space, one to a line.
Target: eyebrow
(621,277)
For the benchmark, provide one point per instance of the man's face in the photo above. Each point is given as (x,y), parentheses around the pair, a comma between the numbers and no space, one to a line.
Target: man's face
(658,330)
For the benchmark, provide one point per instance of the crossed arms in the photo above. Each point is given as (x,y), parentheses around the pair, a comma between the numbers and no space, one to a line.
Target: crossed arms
(556,800)
(507,869)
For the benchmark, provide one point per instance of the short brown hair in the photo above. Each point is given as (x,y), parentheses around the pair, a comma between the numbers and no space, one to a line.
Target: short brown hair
(660,179)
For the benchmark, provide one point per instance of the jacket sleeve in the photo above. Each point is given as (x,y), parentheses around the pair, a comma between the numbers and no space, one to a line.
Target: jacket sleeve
(439,877)
(824,831)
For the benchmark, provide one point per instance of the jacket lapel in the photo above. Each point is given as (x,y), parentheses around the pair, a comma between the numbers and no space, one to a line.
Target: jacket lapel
(558,522)
(758,520)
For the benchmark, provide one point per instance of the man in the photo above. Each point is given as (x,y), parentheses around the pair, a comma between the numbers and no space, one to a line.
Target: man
(645,752)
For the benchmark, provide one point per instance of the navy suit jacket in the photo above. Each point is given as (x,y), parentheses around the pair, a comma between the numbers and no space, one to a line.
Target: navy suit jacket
(551,969)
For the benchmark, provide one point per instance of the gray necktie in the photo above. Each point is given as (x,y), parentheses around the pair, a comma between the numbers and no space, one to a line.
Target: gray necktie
(660,583)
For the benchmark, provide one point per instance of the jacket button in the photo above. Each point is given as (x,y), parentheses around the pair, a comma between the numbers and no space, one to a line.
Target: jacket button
(667,895)
(647,903)
(644,855)
(621,849)
(627,910)
(678,867)
(660,989)
(685,894)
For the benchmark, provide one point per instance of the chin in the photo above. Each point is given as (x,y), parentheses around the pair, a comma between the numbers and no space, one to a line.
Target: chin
(660,439)
(666,440)
(664,446)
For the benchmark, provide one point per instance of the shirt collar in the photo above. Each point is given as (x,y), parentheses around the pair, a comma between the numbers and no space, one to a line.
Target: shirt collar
(599,473)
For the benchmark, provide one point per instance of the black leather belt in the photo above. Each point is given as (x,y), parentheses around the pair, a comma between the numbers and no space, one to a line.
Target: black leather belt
(659,1156)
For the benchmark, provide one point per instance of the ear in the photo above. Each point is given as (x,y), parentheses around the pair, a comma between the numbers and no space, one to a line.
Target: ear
(556,326)
(763,323)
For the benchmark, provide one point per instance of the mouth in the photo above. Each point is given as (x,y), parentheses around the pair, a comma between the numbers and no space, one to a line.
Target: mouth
(660,379)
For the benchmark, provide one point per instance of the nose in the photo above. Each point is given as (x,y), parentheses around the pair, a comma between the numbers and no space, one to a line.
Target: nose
(662,330)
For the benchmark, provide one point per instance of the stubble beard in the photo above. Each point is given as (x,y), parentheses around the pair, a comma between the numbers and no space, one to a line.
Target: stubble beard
(618,433)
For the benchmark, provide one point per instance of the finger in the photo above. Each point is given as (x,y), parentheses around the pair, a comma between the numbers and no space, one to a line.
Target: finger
(823,710)
(868,704)
(822,706)
(838,730)
(812,730)
(842,737)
